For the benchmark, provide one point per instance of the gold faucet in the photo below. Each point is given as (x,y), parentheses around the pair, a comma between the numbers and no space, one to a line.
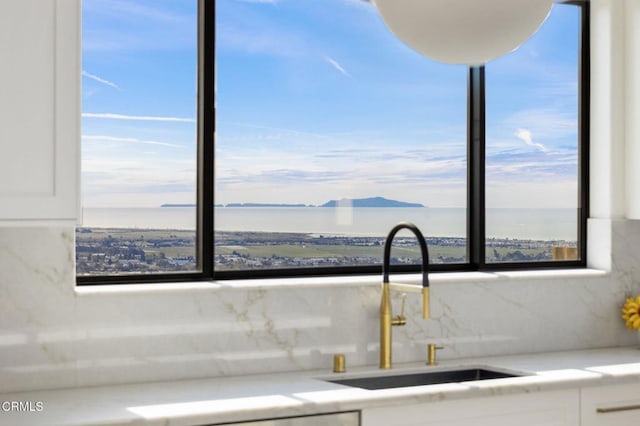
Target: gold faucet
(386,320)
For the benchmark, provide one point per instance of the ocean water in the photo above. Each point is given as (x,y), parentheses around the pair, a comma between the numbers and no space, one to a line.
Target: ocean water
(526,224)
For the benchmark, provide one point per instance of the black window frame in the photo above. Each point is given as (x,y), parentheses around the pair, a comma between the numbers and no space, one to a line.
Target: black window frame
(476,241)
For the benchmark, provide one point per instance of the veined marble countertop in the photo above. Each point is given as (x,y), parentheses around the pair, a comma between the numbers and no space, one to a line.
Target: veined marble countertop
(241,398)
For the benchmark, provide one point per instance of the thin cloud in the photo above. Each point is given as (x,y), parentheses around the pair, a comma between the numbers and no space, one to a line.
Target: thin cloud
(337,66)
(128,140)
(549,123)
(100,80)
(110,116)
(525,136)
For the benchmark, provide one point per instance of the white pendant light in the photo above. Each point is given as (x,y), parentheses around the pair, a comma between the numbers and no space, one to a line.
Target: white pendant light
(468,32)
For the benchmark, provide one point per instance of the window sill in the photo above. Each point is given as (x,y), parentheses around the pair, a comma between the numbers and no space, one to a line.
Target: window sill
(346,281)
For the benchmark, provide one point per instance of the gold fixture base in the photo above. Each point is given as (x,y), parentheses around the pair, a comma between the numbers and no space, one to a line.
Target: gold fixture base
(431,353)
(339,363)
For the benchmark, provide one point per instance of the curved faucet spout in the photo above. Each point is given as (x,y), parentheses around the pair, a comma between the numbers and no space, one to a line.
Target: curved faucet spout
(386,319)
(424,251)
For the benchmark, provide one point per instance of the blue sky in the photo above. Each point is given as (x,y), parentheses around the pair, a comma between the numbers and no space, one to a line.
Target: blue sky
(316,100)
(139,107)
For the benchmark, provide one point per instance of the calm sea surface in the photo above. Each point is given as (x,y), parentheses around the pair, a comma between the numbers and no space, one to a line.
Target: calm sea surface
(534,224)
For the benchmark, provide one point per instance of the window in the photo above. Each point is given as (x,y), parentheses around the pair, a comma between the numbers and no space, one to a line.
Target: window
(533,144)
(328,131)
(139,144)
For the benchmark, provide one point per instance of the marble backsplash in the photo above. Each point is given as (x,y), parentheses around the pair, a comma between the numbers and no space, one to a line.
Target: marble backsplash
(53,335)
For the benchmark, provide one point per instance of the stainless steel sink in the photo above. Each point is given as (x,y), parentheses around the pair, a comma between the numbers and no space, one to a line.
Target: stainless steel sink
(401,380)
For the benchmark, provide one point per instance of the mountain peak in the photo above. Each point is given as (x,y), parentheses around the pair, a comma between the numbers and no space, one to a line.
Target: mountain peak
(369,202)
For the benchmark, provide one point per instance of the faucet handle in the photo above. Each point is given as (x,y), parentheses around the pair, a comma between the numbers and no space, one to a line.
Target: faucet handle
(400,319)
(431,356)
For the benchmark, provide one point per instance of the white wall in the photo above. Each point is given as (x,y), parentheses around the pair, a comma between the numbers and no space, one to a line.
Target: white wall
(55,335)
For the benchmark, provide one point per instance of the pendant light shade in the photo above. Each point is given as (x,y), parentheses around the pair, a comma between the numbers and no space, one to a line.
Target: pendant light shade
(468,32)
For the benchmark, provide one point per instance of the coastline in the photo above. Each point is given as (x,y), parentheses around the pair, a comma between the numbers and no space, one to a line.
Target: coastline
(533,224)
(108,251)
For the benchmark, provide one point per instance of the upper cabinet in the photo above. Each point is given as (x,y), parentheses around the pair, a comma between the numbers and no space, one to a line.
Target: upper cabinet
(39,111)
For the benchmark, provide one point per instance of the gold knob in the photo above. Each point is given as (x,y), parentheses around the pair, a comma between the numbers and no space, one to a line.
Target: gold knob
(339,363)
(431,353)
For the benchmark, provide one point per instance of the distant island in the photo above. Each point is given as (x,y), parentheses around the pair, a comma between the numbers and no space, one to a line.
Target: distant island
(369,202)
(353,202)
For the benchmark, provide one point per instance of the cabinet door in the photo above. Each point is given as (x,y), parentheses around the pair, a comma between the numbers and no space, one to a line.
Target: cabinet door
(617,405)
(336,419)
(558,408)
(39,110)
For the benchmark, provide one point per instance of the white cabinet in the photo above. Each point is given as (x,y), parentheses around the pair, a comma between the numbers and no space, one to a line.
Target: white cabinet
(557,408)
(39,110)
(617,405)
(335,419)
